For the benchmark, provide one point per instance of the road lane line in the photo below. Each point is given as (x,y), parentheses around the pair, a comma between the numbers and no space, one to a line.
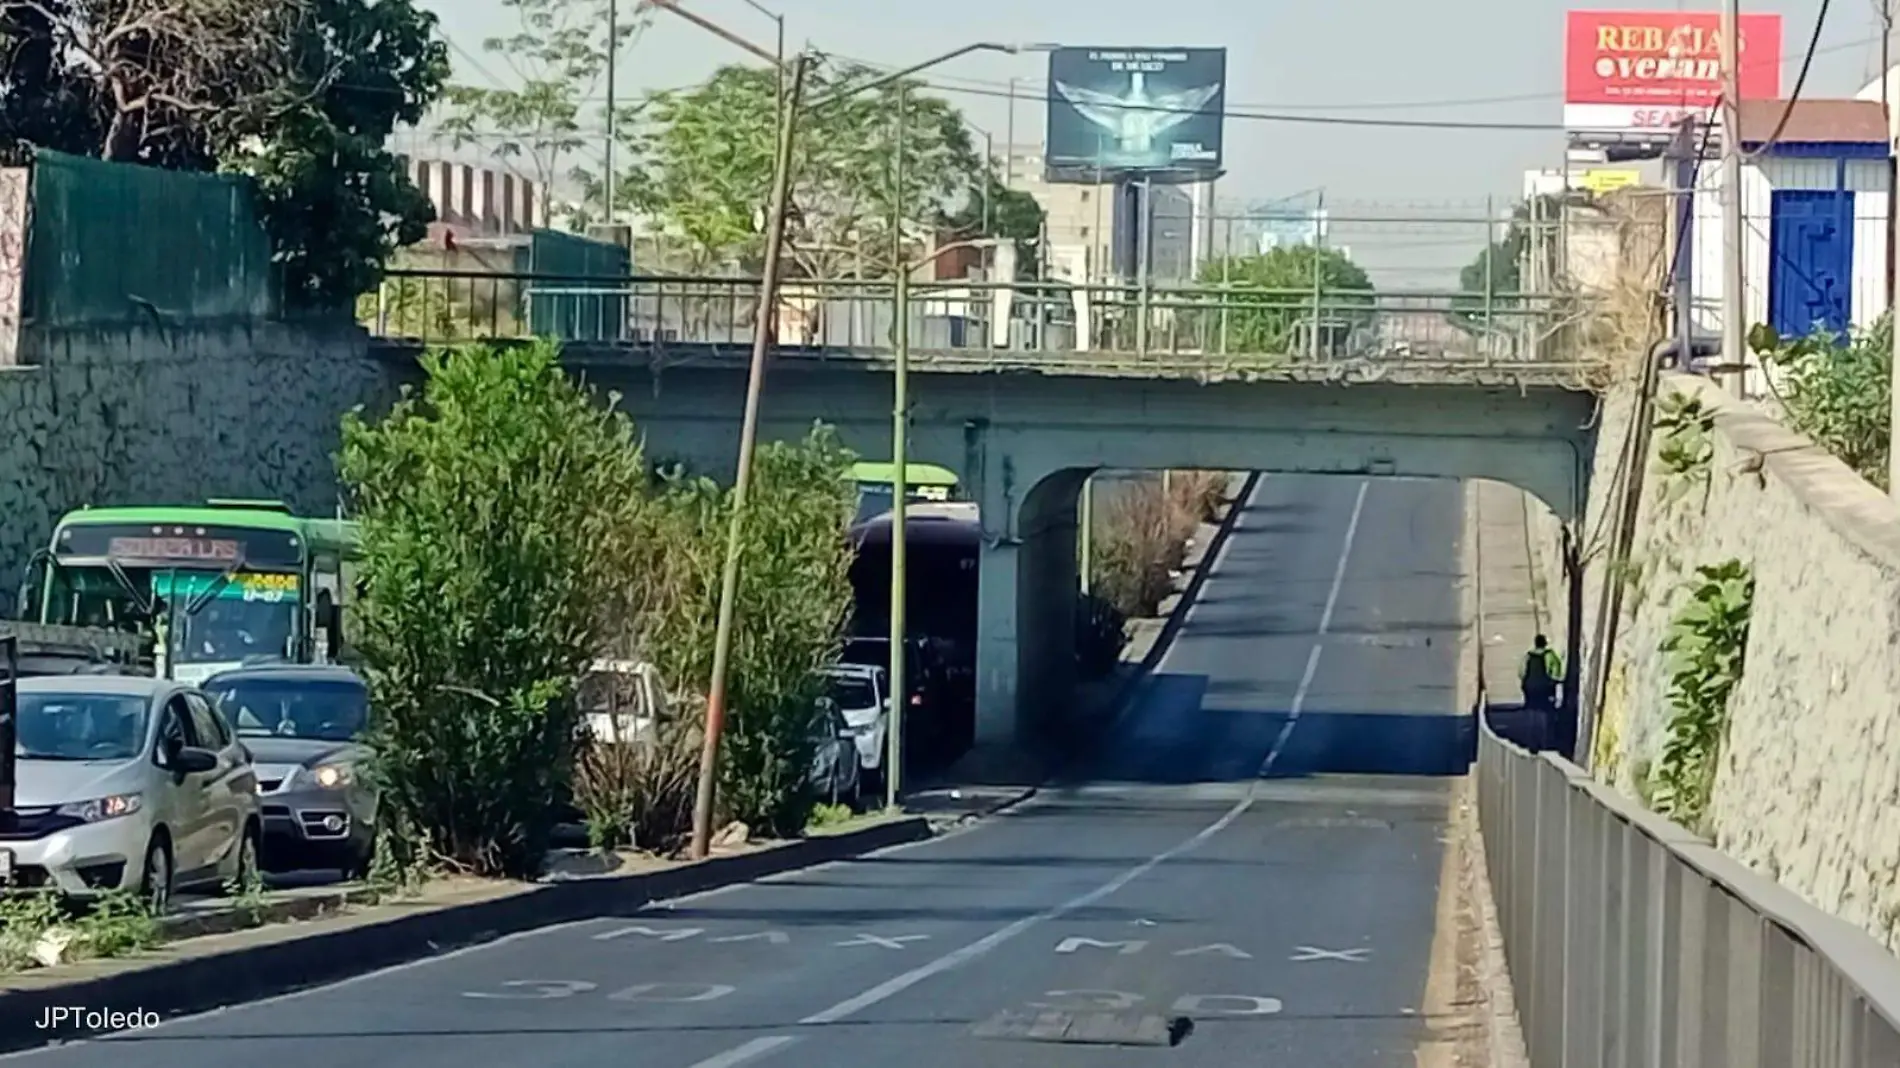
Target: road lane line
(892,987)
(750,1051)
(1325,624)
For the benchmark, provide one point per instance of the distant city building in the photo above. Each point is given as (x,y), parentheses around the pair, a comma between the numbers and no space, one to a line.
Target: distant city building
(475,201)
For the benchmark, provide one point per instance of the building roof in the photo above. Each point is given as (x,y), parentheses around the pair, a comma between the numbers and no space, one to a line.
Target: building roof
(1815,122)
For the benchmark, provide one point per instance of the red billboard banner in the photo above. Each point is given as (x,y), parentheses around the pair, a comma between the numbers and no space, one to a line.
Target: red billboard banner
(1646,60)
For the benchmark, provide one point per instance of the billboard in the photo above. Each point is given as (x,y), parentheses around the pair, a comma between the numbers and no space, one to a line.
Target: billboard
(1647,70)
(1152,112)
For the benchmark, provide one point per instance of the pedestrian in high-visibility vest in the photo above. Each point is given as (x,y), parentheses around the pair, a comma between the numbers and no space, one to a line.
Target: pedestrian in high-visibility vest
(1543,672)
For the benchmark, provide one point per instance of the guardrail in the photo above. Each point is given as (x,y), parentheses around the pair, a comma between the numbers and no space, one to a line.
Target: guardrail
(1229,323)
(1634,944)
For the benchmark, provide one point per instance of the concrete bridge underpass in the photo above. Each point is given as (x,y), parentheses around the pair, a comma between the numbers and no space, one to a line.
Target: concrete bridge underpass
(1023,445)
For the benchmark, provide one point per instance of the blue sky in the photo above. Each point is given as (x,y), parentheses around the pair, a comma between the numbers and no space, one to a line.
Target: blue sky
(1478,60)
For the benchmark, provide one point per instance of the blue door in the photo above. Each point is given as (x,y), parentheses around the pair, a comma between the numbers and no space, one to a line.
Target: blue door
(1811,260)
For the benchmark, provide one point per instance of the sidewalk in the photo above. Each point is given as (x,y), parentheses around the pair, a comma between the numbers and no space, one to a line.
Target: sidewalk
(1509,614)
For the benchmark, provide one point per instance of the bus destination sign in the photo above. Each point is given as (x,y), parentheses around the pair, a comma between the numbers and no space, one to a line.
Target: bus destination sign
(178,550)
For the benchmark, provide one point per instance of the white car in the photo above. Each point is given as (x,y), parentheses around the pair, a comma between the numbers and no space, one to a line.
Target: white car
(127,783)
(622,700)
(862,696)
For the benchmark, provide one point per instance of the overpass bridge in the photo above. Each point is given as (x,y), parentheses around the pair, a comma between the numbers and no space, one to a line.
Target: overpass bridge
(1025,390)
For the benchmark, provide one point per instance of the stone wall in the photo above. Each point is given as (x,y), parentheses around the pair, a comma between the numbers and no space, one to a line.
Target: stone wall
(1807,789)
(173,416)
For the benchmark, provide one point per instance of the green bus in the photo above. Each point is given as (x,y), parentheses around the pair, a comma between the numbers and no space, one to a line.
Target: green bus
(922,482)
(210,587)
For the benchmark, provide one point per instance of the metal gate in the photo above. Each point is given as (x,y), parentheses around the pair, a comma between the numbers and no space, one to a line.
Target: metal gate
(1811,254)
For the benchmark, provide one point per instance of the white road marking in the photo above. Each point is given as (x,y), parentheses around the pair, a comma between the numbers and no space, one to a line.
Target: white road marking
(676,934)
(1201,1005)
(1070,945)
(896,942)
(1325,624)
(751,1051)
(536,989)
(777,938)
(892,987)
(1313,953)
(1222,948)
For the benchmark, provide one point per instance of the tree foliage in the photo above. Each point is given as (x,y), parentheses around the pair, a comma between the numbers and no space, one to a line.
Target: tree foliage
(558,55)
(496,506)
(707,166)
(1497,269)
(1270,296)
(299,94)
(1835,390)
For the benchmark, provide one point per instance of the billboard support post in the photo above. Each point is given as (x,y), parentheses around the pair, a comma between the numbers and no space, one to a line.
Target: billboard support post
(1144,255)
(1319,247)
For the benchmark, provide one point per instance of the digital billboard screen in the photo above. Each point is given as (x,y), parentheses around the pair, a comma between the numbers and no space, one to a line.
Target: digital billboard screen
(1123,111)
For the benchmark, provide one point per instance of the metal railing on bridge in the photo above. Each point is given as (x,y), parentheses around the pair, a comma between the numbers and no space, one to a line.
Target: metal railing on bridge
(995,324)
(1634,944)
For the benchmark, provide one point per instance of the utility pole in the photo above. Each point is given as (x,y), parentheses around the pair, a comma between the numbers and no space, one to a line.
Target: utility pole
(613,56)
(742,480)
(1734,331)
(1893,314)
(900,471)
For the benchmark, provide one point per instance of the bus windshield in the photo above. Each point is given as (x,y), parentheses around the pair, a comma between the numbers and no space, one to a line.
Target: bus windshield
(213,617)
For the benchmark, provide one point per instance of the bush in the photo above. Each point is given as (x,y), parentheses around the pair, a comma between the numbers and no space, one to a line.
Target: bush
(794,601)
(1199,493)
(640,793)
(1101,633)
(1835,391)
(1141,534)
(495,508)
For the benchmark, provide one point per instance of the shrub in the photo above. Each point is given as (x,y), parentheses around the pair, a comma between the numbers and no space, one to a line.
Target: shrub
(1101,633)
(640,793)
(794,600)
(1835,391)
(1140,537)
(1199,493)
(495,507)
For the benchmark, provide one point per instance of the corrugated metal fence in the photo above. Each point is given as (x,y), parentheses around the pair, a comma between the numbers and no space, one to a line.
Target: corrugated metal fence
(1634,944)
(112,243)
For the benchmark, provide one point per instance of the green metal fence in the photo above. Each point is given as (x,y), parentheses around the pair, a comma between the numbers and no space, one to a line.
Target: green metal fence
(115,243)
(599,316)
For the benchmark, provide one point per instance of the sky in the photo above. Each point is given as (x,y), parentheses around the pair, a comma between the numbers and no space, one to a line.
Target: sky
(1475,60)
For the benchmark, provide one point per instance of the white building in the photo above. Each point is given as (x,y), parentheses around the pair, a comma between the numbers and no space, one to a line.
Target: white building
(1814,211)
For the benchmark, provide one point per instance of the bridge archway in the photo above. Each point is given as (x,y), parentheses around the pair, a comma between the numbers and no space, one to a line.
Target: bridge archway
(1023,443)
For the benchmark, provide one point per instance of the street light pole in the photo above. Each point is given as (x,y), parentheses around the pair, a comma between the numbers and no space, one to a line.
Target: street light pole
(742,480)
(900,460)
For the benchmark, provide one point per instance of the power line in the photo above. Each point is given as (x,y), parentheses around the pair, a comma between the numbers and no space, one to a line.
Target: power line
(1801,80)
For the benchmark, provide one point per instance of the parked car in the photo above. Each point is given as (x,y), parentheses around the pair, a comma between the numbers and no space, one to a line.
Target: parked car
(835,773)
(622,700)
(127,783)
(928,701)
(861,694)
(303,725)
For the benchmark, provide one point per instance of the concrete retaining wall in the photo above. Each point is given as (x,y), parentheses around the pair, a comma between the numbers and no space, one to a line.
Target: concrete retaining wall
(173,416)
(1808,783)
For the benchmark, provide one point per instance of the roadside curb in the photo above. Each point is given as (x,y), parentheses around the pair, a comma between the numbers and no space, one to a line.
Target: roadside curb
(949,820)
(186,985)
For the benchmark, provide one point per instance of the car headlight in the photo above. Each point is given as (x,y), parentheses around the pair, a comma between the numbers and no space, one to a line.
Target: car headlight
(332,776)
(103,808)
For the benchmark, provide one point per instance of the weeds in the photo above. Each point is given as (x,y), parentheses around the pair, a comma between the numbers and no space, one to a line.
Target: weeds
(39,929)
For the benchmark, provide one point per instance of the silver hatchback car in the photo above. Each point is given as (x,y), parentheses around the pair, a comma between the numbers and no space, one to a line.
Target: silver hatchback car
(127,783)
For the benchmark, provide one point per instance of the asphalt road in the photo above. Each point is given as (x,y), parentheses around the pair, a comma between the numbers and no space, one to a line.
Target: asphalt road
(1210,871)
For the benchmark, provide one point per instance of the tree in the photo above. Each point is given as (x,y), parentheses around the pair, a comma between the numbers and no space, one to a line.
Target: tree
(1003,213)
(709,152)
(1270,296)
(559,56)
(496,506)
(299,94)
(794,600)
(1493,279)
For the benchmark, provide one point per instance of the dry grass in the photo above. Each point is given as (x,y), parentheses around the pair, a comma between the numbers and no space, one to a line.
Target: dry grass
(1141,533)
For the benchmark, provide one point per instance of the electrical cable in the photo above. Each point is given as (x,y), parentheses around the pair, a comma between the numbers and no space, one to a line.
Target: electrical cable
(1800,81)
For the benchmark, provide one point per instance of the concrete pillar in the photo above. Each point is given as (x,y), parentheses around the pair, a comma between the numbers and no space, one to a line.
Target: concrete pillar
(996,636)
(1046,590)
